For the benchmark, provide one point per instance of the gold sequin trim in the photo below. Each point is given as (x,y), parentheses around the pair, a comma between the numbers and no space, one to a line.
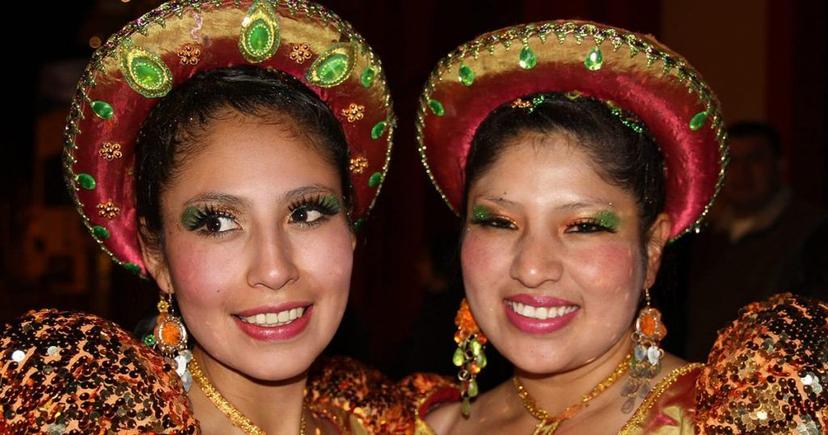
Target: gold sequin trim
(189,54)
(520,103)
(111,151)
(354,112)
(358,164)
(637,420)
(108,210)
(300,53)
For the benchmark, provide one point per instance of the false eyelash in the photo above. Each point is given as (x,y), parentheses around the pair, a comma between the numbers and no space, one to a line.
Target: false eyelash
(324,203)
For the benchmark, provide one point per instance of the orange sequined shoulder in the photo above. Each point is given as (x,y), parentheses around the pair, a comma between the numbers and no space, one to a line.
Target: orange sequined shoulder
(64,372)
(768,371)
(359,399)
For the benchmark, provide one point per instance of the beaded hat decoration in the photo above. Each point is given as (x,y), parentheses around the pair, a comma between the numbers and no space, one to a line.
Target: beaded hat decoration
(633,72)
(157,52)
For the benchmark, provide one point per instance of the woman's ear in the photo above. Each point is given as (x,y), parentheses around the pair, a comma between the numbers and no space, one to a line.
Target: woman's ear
(153,256)
(657,237)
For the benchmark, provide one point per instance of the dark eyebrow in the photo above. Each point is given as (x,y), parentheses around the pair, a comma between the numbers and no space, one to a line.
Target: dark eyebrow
(575,205)
(221,198)
(586,204)
(499,200)
(304,190)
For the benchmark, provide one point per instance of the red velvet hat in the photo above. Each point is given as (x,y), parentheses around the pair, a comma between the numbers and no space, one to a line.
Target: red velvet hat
(162,49)
(624,69)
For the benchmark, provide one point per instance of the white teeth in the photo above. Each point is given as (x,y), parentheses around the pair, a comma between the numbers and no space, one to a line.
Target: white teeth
(541,313)
(275,319)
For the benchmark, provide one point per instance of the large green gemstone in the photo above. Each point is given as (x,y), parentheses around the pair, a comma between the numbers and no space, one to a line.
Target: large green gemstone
(375,179)
(367,77)
(147,73)
(378,129)
(528,60)
(698,120)
(594,59)
(85,181)
(100,232)
(260,32)
(333,66)
(102,109)
(258,37)
(132,267)
(466,75)
(144,71)
(436,107)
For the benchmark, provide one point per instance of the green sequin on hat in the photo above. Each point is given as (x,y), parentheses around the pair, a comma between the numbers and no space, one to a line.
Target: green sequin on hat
(375,179)
(378,130)
(527,58)
(594,59)
(698,120)
(367,77)
(86,181)
(466,75)
(100,232)
(103,109)
(436,107)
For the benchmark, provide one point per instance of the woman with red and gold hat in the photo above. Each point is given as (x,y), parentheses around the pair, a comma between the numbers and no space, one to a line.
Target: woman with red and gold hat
(226,150)
(574,152)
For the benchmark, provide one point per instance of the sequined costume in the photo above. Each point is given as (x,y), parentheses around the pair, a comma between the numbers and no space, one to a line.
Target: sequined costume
(765,374)
(73,373)
(64,373)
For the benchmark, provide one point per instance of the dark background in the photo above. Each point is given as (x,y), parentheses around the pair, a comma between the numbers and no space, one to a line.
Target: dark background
(765,59)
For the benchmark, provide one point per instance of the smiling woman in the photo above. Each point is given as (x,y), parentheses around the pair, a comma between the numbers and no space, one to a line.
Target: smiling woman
(225,150)
(252,202)
(572,161)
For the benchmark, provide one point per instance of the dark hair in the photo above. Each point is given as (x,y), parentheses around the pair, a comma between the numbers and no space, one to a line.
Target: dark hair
(170,131)
(621,155)
(743,129)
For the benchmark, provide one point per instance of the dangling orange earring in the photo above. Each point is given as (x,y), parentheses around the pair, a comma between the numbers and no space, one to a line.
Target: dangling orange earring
(470,355)
(647,355)
(170,338)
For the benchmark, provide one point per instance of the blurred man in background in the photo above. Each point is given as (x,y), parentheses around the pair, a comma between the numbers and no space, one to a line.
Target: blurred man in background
(753,245)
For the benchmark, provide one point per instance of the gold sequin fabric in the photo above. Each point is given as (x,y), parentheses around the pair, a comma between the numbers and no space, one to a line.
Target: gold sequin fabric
(345,390)
(72,373)
(768,371)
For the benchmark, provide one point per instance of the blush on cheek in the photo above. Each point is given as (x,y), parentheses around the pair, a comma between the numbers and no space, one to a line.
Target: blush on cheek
(478,254)
(610,267)
(198,273)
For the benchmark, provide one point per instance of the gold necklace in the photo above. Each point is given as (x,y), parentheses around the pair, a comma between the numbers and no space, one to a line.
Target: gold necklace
(549,423)
(236,417)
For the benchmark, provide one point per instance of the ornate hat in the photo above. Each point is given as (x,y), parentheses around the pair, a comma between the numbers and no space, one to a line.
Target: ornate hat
(157,52)
(633,72)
